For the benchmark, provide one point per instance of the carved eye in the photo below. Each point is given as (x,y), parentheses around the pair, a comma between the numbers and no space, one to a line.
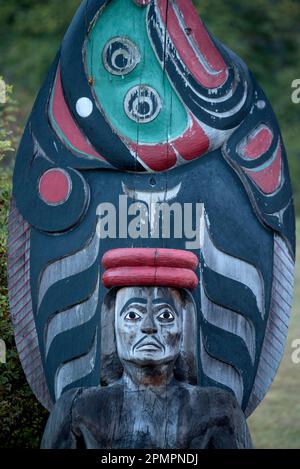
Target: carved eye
(142,104)
(166,316)
(132,316)
(120,56)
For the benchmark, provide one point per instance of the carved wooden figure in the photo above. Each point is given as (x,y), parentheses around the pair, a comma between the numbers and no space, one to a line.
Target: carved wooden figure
(148,406)
(150,134)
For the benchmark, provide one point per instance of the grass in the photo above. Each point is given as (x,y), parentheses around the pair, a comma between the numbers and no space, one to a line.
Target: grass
(276,422)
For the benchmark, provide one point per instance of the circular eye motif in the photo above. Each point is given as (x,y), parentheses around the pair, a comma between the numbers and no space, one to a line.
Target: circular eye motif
(132,316)
(55,186)
(166,316)
(120,56)
(142,104)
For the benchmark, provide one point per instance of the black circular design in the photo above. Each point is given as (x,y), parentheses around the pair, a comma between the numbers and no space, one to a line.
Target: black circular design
(142,104)
(120,56)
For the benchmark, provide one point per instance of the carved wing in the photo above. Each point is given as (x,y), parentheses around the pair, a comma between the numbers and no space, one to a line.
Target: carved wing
(56,335)
(235,321)
(21,305)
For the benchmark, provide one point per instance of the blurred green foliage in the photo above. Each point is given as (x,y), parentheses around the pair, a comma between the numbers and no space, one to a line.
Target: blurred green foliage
(30,35)
(9,127)
(6,144)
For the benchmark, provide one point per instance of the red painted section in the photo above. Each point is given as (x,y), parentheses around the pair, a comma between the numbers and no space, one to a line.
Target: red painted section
(193,143)
(258,144)
(157,157)
(150,276)
(269,178)
(54,186)
(150,257)
(215,74)
(66,123)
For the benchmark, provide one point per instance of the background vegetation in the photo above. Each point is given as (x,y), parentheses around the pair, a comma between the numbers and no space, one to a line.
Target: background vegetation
(265,33)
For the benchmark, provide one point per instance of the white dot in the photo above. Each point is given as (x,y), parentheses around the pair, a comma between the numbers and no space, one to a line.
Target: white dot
(261,104)
(84,107)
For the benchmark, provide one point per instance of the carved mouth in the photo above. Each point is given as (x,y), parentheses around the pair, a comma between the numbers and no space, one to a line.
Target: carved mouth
(149,346)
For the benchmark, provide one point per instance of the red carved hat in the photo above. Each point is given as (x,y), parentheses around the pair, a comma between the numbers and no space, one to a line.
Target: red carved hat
(150,267)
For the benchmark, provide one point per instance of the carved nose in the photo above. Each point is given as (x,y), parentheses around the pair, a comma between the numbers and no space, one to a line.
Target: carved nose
(148,326)
(149,330)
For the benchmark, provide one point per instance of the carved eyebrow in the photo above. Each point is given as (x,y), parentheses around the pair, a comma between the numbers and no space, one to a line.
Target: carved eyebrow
(161,302)
(136,301)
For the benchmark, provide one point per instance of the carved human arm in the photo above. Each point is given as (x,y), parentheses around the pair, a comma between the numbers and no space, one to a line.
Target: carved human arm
(232,435)
(58,433)
(226,427)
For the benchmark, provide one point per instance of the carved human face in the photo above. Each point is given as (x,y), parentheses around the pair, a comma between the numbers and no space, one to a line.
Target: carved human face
(148,325)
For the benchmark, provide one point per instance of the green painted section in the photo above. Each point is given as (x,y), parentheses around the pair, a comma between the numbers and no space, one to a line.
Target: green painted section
(125,19)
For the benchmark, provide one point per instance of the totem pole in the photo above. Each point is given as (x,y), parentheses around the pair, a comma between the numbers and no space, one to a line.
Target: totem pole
(151,235)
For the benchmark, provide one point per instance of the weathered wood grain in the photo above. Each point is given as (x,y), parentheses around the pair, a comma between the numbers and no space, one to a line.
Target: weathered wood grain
(277,326)
(21,305)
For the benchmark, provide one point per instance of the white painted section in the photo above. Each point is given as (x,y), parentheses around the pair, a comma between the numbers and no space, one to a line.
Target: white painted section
(84,107)
(75,369)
